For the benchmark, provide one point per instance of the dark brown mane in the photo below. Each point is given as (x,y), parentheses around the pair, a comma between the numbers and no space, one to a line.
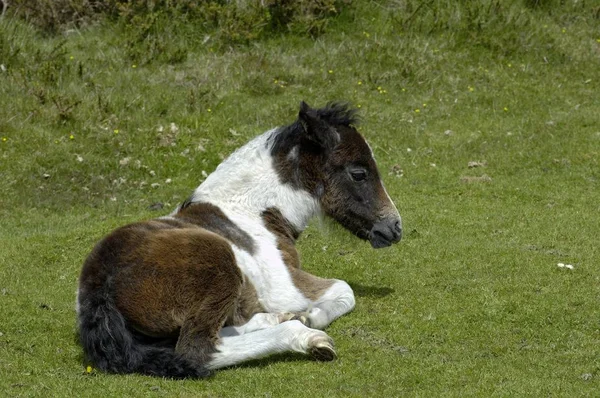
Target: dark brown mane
(334,113)
(339,114)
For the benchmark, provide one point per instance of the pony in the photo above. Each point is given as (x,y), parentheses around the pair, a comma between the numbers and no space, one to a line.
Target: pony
(218,281)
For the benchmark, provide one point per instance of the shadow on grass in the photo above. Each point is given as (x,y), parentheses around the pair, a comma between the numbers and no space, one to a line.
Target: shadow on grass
(370,291)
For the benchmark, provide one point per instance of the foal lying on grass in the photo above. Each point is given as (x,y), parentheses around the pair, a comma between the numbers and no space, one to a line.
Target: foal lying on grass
(218,282)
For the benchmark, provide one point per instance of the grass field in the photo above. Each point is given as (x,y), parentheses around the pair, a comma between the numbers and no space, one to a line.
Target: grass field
(484,119)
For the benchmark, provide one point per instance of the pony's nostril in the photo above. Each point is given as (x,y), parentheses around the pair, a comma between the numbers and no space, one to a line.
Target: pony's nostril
(398,227)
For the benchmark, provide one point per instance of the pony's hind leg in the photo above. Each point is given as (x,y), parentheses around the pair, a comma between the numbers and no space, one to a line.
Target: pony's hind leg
(199,332)
(292,336)
(205,290)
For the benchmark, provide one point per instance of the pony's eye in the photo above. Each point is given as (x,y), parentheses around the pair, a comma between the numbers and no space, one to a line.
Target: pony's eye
(358,175)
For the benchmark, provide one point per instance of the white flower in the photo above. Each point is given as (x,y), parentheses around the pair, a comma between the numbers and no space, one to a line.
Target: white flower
(567,266)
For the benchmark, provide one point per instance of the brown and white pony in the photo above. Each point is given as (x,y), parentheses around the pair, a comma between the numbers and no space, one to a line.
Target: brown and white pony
(218,282)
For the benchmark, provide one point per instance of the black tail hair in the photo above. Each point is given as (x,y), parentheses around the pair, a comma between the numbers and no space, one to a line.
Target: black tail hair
(109,344)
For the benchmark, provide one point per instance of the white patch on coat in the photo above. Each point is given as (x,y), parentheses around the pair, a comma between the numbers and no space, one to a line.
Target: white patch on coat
(266,270)
(392,211)
(294,154)
(243,187)
(246,183)
(77,306)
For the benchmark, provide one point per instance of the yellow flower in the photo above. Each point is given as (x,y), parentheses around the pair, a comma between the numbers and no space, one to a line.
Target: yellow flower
(209,110)
(359,83)
(116,131)
(4,139)
(563,30)
(471,89)
(89,369)
(424,105)
(71,57)
(71,137)
(509,65)
(359,106)
(330,71)
(417,110)
(134,66)
(505,109)
(403,90)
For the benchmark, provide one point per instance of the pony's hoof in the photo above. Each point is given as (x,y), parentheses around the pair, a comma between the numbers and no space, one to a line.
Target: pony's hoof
(322,350)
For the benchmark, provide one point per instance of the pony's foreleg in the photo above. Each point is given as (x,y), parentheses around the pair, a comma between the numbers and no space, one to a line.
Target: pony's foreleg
(284,337)
(260,321)
(335,302)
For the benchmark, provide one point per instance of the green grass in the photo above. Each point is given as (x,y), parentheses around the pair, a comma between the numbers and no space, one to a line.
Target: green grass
(470,303)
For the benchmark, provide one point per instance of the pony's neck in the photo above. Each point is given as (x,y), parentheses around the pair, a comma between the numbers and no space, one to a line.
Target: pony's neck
(247,183)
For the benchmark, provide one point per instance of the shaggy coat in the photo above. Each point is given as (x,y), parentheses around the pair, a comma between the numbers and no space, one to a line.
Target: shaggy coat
(218,281)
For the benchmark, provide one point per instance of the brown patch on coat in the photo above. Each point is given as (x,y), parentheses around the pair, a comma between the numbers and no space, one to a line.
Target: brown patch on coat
(169,279)
(210,217)
(313,287)
(175,276)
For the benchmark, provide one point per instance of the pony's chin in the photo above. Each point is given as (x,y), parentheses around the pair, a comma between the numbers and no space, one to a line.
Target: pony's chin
(379,242)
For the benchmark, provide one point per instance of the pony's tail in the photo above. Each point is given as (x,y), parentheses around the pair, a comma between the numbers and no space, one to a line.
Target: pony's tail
(110,346)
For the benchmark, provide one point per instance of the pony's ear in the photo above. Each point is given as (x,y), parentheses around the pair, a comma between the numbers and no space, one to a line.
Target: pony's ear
(315,129)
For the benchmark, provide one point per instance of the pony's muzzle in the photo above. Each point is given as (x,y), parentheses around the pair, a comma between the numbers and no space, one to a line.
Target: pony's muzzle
(386,232)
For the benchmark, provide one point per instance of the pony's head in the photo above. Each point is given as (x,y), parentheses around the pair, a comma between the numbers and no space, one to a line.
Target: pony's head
(323,154)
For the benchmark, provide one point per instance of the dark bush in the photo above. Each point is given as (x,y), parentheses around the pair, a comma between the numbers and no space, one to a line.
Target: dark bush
(236,20)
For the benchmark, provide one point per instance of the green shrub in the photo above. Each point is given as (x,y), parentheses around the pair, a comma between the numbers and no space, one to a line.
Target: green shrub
(236,21)
(52,16)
